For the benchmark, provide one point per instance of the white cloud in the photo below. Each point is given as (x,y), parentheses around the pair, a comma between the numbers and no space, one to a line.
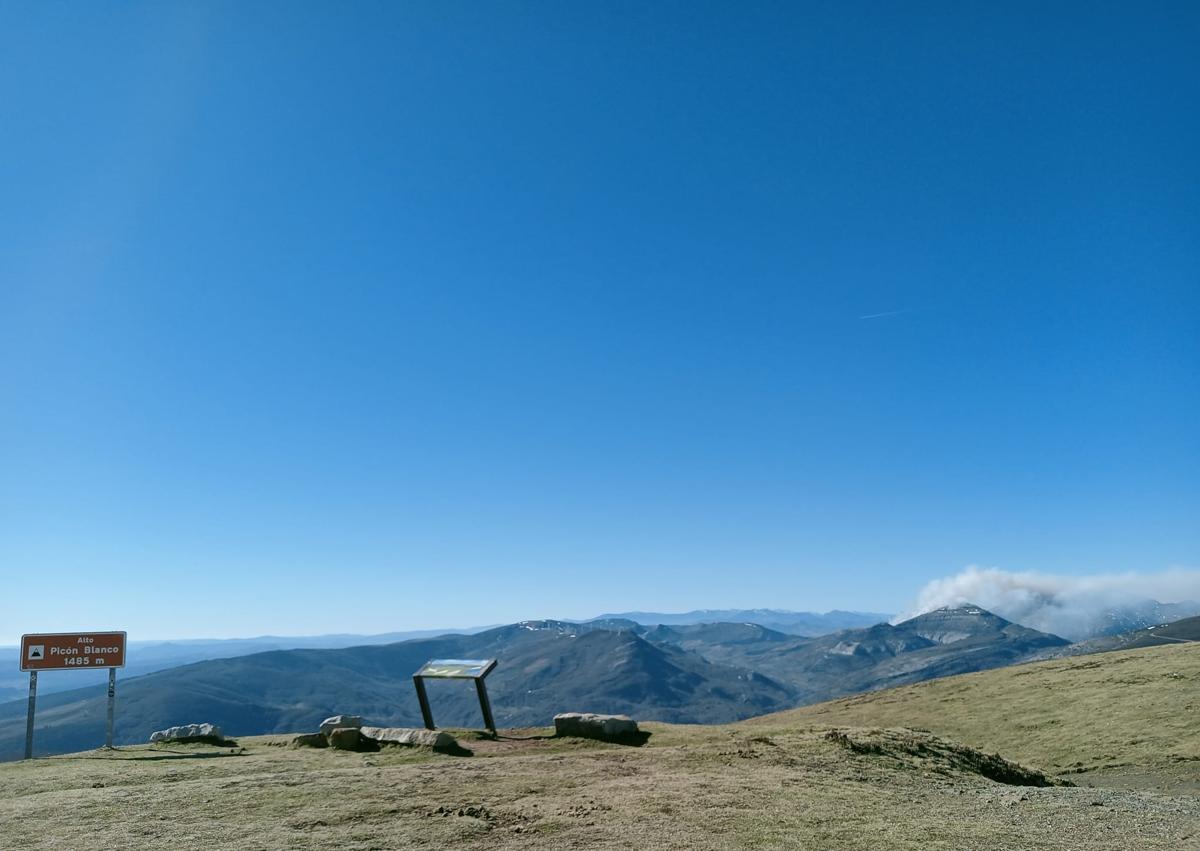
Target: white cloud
(1070,606)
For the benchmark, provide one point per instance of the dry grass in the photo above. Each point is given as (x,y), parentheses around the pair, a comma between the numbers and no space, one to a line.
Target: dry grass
(781,782)
(696,788)
(1119,719)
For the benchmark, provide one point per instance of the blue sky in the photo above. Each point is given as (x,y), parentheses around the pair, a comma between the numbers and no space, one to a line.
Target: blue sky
(317,317)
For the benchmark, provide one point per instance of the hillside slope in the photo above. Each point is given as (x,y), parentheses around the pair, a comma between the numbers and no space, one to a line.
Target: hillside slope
(1121,717)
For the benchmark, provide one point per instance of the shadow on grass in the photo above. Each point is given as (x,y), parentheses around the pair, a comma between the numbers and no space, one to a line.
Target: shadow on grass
(633,740)
(185,755)
(124,756)
(456,750)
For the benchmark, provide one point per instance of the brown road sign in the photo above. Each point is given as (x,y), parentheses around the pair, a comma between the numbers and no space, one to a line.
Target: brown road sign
(69,651)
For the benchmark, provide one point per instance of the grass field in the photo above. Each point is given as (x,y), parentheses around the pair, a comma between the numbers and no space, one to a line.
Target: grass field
(779,782)
(1129,718)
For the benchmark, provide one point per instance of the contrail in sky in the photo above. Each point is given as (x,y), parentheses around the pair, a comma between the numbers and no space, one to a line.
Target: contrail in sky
(881,315)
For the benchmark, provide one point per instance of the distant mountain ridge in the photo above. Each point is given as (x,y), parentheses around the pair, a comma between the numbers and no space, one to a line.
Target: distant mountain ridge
(146,657)
(1143,615)
(1183,631)
(939,643)
(694,673)
(149,656)
(781,620)
(546,666)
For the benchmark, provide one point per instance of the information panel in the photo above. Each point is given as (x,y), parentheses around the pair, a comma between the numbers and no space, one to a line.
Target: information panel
(457,669)
(70,651)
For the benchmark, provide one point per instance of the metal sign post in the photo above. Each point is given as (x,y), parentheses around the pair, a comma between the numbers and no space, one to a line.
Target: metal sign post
(71,651)
(423,699)
(29,717)
(456,669)
(112,705)
(485,705)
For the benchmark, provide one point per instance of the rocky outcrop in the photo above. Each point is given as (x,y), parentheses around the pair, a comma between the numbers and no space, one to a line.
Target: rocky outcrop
(439,740)
(359,738)
(190,733)
(331,724)
(609,728)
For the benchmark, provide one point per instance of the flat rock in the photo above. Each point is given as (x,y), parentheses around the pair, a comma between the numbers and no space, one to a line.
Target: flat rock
(333,723)
(591,726)
(411,736)
(189,733)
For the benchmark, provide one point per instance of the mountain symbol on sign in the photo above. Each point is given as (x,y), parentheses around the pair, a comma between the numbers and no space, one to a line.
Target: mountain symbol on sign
(37,651)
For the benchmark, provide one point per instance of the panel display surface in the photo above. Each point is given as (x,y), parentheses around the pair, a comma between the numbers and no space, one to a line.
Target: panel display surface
(456,669)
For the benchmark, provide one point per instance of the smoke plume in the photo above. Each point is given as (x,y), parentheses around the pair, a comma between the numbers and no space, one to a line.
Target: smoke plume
(1075,607)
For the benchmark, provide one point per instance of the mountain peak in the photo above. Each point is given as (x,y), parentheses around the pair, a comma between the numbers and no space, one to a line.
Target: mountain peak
(955,623)
(967,609)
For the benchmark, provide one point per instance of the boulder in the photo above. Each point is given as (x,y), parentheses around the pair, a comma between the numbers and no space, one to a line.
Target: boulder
(590,726)
(209,733)
(412,737)
(350,739)
(331,724)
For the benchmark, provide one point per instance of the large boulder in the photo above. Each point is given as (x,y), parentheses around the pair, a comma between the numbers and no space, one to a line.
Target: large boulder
(331,724)
(412,737)
(609,728)
(207,733)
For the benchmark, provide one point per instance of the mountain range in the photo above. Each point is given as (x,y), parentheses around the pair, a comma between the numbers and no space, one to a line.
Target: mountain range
(691,673)
(781,620)
(149,656)
(935,644)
